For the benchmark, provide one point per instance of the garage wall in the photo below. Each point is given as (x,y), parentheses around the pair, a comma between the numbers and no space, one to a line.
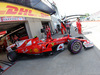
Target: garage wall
(52,25)
(33,27)
(28,29)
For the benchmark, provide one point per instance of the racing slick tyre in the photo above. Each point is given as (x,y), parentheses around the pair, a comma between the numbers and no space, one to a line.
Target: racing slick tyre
(74,46)
(12,56)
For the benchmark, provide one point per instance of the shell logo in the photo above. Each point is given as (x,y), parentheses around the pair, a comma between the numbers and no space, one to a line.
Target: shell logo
(36,50)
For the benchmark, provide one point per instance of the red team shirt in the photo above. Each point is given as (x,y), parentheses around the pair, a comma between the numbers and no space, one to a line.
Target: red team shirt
(79,27)
(78,24)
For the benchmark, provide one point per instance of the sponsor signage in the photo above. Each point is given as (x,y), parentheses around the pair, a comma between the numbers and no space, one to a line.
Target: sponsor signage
(9,9)
(8,19)
(0,19)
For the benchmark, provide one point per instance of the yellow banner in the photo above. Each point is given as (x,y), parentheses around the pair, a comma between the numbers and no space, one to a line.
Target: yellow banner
(8,9)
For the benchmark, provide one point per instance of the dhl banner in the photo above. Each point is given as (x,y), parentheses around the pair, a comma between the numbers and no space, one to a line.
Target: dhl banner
(8,9)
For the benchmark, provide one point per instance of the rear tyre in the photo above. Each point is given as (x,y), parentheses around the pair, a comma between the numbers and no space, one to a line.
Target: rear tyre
(75,46)
(12,56)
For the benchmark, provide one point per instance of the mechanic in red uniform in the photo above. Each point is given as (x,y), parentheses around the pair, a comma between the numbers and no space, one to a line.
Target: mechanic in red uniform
(78,26)
(48,32)
(16,38)
(63,27)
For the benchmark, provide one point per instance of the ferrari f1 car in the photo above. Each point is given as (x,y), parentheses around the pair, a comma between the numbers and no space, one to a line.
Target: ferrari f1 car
(35,46)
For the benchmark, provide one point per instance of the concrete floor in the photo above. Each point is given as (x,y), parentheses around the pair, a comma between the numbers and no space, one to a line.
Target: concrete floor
(3,56)
(87,62)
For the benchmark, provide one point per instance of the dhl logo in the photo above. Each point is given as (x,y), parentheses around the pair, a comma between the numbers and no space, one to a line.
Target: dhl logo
(8,9)
(22,11)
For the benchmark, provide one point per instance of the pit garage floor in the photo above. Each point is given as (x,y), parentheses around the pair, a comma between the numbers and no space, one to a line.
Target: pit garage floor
(3,56)
(87,62)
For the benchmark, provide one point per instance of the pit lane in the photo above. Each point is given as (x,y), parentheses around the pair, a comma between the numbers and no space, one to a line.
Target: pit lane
(87,62)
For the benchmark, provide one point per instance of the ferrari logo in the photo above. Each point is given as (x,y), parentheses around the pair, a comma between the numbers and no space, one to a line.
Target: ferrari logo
(52,43)
(26,42)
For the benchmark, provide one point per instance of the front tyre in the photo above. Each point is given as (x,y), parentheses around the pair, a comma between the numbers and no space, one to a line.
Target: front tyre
(12,56)
(75,46)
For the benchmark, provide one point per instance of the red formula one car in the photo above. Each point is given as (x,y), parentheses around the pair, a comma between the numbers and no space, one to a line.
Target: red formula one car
(35,46)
